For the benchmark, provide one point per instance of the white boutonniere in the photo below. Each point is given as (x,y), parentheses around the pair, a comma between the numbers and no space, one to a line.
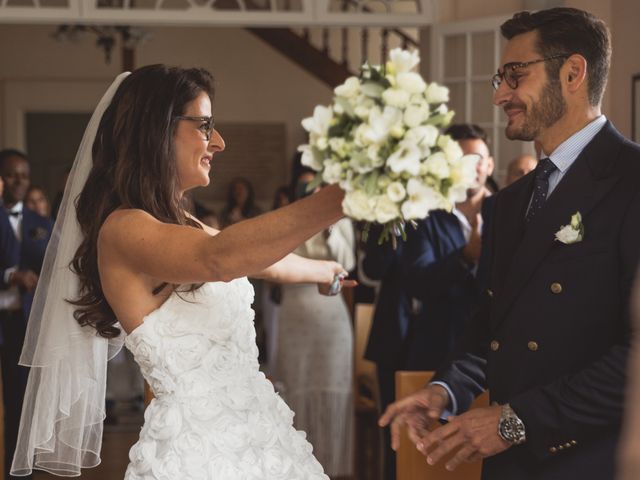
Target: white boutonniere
(572,233)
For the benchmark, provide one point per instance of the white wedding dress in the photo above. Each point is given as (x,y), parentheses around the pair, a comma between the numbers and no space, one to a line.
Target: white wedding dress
(215,415)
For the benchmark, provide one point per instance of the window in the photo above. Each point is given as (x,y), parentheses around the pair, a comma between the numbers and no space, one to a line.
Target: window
(464,57)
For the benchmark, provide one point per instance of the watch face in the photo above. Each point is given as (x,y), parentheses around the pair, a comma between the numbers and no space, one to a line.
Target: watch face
(511,429)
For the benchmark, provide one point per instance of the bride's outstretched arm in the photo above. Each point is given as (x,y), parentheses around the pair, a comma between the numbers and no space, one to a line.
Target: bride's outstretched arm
(136,241)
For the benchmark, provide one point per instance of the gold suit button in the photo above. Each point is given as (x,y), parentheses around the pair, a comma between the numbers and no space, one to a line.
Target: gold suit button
(574,443)
(560,447)
(553,450)
(556,287)
(495,345)
(567,445)
(533,346)
(490,293)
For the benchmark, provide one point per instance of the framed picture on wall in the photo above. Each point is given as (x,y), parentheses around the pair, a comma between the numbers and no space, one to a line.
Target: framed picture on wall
(635,108)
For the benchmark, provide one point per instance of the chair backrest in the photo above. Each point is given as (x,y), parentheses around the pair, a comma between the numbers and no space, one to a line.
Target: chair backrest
(410,463)
(365,377)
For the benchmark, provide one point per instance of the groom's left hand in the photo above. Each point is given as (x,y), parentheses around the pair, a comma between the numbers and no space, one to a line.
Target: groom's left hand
(474,434)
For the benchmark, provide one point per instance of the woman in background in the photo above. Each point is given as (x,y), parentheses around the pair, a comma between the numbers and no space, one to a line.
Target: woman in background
(315,350)
(36,200)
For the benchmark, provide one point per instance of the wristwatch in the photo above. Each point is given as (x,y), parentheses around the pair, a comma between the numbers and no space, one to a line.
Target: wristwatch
(510,427)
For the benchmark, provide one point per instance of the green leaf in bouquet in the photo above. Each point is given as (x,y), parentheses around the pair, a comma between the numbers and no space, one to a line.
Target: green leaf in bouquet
(371,183)
(436,120)
(315,183)
(342,127)
(379,77)
(372,89)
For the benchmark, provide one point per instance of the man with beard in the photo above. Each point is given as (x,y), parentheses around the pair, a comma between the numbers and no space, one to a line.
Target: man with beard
(551,343)
(31,233)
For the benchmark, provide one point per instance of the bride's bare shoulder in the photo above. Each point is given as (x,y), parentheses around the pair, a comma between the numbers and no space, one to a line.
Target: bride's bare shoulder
(124,221)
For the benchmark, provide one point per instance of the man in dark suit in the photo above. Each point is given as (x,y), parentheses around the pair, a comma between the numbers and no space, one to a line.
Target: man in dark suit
(31,233)
(552,343)
(415,328)
(440,263)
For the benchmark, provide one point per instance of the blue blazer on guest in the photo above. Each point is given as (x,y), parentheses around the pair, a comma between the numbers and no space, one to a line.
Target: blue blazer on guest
(443,288)
(27,254)
(9,247)
(393,305)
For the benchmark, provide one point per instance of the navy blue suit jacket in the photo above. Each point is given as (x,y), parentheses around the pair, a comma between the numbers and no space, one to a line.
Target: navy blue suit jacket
(29,252)
(443,286)
(554,339)
(9,245)
(388,332)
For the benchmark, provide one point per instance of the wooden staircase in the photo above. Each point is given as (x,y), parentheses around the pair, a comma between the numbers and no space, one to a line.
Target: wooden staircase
(329,54)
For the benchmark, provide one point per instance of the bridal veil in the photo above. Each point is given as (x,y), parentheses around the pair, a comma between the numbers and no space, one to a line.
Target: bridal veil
(64,404)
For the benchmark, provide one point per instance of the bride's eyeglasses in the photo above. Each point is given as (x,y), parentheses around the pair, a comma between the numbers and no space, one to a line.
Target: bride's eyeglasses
(206,124)
(511,71)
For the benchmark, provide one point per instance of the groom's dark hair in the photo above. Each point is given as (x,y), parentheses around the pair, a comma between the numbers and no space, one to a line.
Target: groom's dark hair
(567,31)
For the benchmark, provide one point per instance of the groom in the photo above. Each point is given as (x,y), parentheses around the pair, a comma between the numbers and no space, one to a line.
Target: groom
(552,341)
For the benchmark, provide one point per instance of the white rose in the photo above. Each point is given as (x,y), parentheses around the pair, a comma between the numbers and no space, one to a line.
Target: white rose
(437,93)
(450,148)
(406,158)
(425,136)
(396,191)
(349,88)
(142,456)
(277,464)
(396,97)
(164,422)
(438,166)
(411,82)
(360,162)
(402,60)
(421,200)
(192,447)
(311,157)
(320,121)
(380,123)
(332,172)
(337,144)
(184,353)
(386,209)
(359,205)
(169,465)
(415,115)
(568,235)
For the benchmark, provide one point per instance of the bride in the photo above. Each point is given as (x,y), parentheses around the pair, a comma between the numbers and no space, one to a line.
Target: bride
(127,264)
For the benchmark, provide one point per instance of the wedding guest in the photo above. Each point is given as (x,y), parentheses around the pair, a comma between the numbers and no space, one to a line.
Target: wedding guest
(629,452)
(551,344)
(314,360)
(519,167)
(36,200)
(271,298)
(240,202)
(32,233)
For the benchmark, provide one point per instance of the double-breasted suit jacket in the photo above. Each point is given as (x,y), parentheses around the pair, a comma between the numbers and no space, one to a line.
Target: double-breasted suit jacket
(553,338)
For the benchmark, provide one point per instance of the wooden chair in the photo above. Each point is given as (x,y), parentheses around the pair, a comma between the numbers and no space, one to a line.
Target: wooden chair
(411,464)
(368,437)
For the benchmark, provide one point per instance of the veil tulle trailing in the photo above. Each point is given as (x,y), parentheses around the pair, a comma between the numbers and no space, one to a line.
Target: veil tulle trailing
(63,411)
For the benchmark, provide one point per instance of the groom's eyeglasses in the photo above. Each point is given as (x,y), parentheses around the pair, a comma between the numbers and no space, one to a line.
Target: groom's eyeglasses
(206,124)
(511,71)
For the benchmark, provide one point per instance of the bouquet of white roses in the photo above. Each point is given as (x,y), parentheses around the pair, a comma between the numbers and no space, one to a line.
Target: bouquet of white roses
(381,141)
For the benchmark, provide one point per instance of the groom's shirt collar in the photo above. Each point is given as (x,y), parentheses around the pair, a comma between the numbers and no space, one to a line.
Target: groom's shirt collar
(567,152)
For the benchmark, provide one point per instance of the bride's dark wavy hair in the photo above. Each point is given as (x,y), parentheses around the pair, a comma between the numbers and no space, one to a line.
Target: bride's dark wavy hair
(134,166)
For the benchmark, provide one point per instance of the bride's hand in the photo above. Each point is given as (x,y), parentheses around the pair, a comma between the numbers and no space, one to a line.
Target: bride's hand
(338,280)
